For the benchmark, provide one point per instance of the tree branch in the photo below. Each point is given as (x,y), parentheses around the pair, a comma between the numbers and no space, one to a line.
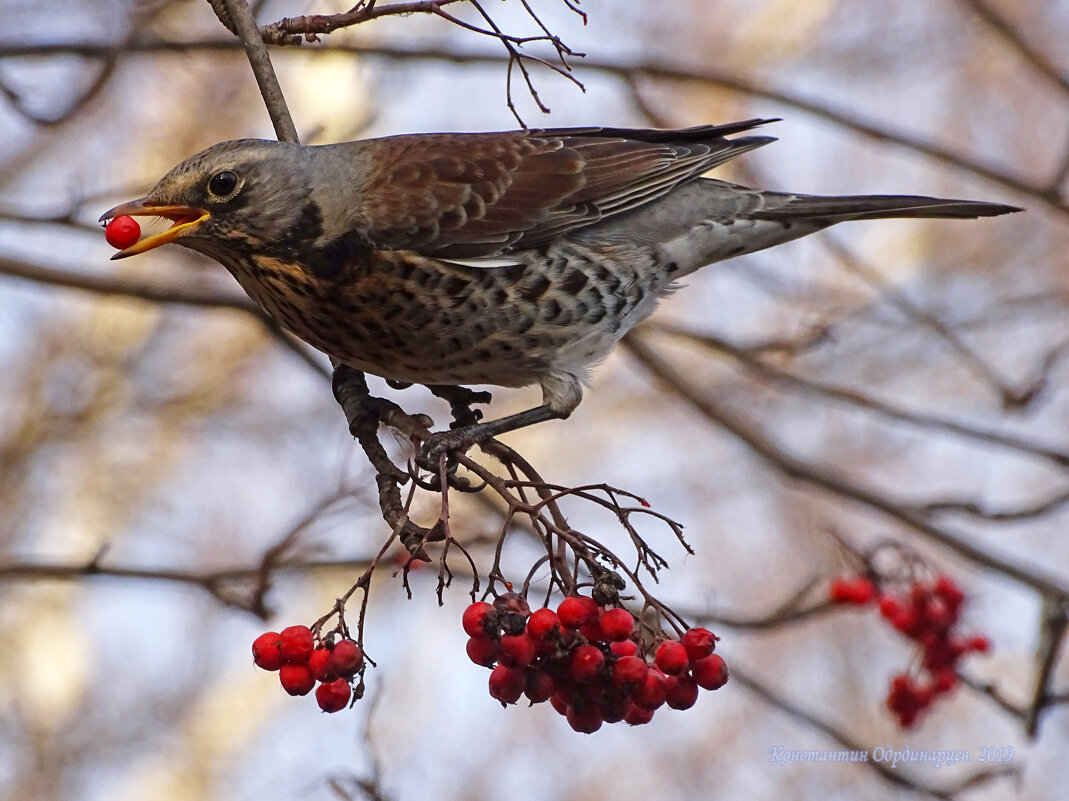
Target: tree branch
(1049,585)
(1016,40)
(249,32)
(870,129)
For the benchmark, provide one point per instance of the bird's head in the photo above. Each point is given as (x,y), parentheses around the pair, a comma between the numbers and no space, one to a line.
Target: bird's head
(247,194)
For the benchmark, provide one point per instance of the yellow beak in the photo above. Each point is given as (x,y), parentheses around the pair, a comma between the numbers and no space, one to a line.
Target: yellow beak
(183,217)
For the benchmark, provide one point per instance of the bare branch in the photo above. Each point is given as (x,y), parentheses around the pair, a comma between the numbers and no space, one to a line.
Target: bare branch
(747,357)
(1016,40)
(893,775)
(870,129)
(247,30)
(1011,396)
(125,286)
(822,478)
(1053,626)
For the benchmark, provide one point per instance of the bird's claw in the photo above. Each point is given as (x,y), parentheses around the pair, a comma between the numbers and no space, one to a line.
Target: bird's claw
(439,444)
(433,482)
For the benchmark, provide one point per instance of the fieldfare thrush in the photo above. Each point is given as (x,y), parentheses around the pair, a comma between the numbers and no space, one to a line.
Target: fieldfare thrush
(511,258)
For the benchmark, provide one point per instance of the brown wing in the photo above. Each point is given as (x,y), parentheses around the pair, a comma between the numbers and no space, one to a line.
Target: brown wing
(470,195)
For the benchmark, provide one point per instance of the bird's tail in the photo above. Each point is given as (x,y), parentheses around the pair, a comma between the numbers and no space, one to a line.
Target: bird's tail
(875,207)
(707,221)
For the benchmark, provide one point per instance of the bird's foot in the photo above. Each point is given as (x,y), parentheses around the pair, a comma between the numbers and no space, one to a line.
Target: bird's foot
(443,444)
(438,459)
(461,399)
(459,440)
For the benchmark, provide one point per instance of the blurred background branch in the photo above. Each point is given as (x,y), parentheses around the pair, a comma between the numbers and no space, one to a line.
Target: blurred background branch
(900,382)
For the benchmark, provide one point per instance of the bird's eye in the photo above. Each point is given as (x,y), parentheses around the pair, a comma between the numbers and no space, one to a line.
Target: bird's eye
(223,184)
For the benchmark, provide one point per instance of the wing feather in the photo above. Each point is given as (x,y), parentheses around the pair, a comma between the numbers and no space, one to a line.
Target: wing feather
(471,196)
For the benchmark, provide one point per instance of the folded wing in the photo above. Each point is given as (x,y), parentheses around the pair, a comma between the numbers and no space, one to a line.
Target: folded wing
(470,196)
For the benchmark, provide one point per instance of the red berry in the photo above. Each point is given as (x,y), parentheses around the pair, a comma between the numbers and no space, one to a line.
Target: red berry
(629,670)
(907,718)
(900,684)
(482,650)
(586,718)
(122,232)
(332,696)
(946,589)
(906,621)
(839,591)
(617,625)
(710,673)
(672,657)
(943,681)
(547,647)
(517,650)
(979,644)
(938,656)
(650,694)
(539,686)
(319,663)
(591,631)
(681,692)
(624,648)
(858,591)
(346,658)
(638,715)
(938,613)
(507,684)
(296,678)
(558,703)
(931,640)
(890,607)
(577,610)
(586,662)
(474,618)
(542,622)
(699,643)
(297,643)
(266,651)
(864,591)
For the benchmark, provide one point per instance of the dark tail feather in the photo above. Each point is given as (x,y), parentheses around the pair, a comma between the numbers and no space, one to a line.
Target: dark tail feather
(876,207)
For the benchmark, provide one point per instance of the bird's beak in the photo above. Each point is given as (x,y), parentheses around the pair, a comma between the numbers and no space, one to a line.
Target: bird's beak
(183,217)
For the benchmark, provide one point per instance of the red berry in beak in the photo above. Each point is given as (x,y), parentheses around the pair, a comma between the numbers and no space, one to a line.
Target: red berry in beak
(122,232)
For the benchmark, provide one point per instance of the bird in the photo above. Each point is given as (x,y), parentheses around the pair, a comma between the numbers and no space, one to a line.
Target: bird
(509,258)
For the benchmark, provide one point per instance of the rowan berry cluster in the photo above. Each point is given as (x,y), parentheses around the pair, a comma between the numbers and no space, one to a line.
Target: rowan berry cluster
(301,663)
(586,661)
(928,614)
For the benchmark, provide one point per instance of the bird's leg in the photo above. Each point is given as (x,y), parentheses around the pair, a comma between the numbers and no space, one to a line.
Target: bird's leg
(364,414)
(460,439)
(460,401)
